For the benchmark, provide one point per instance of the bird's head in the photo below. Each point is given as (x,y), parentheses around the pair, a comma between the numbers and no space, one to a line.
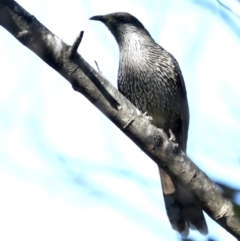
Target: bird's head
(120,24)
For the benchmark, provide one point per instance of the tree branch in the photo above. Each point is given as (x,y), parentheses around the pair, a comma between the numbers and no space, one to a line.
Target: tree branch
(84,79)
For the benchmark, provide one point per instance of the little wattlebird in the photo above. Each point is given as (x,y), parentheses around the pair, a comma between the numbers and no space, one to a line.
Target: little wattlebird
(151,79)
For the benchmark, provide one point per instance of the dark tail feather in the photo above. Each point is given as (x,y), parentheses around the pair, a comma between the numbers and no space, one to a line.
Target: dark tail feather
(183,210)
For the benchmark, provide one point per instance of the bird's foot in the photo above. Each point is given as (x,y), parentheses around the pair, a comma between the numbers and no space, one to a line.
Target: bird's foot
(148,117)
(172,138)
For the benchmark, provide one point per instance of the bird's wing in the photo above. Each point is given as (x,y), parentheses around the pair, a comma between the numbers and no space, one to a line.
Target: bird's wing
(184,110)
(174,83)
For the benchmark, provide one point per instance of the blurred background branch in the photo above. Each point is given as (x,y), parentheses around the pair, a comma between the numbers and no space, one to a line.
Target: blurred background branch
(234,8)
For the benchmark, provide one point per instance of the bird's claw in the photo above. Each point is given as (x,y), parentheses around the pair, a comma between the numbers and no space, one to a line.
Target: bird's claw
(172,138)
(148,117)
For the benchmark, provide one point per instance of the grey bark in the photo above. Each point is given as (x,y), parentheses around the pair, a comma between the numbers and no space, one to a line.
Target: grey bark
(84,79)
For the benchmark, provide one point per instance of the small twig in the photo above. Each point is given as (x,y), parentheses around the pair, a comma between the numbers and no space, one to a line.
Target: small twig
(99,71)
(96,80)
(73,49)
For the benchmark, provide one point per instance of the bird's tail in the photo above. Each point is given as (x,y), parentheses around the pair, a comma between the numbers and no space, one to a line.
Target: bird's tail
(183,210)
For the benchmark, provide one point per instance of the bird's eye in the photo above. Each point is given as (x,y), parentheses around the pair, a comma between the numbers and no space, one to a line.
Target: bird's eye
(121,19)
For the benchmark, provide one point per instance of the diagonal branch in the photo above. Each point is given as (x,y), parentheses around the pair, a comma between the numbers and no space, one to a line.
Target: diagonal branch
(84,79)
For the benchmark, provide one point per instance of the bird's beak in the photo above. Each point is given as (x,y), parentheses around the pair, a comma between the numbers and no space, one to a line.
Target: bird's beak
(98,18)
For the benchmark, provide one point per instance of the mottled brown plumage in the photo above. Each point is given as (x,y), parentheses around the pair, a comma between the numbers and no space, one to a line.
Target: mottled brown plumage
(151,79)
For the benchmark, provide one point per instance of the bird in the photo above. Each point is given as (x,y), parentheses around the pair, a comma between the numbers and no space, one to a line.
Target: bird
(151,79)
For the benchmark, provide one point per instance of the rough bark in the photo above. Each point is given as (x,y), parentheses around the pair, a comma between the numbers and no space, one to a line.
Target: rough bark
(84,79)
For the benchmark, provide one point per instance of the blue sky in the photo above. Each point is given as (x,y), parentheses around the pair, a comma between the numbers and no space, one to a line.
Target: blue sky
(66,172)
